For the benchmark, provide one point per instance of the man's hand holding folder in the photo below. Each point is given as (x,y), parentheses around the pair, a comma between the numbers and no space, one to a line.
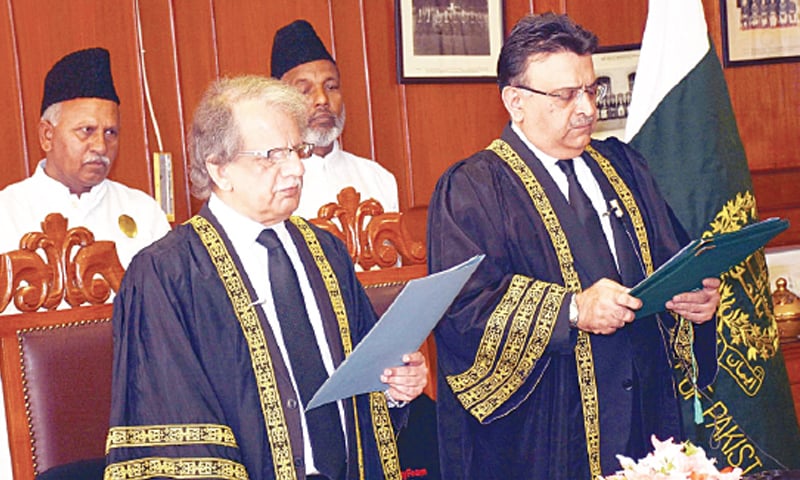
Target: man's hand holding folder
(686,285)
(700,259)
(607,306)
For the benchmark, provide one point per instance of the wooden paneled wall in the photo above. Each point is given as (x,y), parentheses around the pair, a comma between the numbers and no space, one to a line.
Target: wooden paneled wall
(416,131)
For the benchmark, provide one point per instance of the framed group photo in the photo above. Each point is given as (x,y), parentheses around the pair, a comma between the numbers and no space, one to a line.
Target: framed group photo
(616,68)
(448,40)
(760,31)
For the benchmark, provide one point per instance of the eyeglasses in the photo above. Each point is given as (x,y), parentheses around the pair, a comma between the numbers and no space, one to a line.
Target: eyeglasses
(279,155)
(596,91)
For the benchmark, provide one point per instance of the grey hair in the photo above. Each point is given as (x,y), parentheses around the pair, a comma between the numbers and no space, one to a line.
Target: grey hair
(215,137)
(52,114)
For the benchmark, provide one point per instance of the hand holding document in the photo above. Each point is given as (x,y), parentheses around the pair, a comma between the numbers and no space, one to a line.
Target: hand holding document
(703,258)
(402,329)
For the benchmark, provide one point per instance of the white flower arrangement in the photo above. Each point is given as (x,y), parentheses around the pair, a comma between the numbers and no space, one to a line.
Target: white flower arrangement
(673,461)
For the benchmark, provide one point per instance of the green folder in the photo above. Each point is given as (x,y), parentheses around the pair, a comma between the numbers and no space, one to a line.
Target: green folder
(703,258)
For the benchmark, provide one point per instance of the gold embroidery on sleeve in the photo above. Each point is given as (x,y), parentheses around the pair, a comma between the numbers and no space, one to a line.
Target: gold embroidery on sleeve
(492,335)
(518,332)
(516,372)
(583,355)
(163,435)
(539,339)
(165,467)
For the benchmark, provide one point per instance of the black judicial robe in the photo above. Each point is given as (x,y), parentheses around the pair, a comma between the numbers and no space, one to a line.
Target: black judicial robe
(185,398)
(512,420)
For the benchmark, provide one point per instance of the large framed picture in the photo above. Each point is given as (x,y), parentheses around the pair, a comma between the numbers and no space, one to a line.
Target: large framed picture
(448,40)
(759,31)
(616,68)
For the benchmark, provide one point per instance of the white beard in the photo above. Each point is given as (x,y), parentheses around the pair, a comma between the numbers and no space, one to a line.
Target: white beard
(323,137)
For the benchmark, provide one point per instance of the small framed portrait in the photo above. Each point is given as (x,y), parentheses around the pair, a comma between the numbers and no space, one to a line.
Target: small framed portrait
(448,40)
(759,31)
(615,67)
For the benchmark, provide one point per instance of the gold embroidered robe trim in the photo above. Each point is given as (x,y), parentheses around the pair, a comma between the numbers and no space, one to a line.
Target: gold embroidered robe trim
(683,340)
(379,410)
(514,373)
(684,333)
(515,360)
(492,335)
(518,331)
(583,350)
(629,204)
(542,204)
(163,435)
(538,340)
(583,347)
(179,468)
(245,310)
(589,400)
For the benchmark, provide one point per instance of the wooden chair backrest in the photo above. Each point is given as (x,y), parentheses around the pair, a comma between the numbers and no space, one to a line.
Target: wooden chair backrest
(56,364)
(374,238)
(58,264)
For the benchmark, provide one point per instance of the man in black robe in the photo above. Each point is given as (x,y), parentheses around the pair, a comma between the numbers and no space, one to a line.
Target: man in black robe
(210,378)
(544,374)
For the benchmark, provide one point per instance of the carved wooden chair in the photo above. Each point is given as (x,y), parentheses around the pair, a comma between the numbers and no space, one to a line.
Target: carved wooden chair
(373,237)
(58,264)
(56,364)
(376,240)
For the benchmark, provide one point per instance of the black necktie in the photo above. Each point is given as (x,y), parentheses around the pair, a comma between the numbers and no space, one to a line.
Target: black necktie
(587,215)
(324,425)
(630,267)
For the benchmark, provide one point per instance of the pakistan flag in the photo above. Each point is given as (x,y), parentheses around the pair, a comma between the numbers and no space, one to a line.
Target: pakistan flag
(681,120)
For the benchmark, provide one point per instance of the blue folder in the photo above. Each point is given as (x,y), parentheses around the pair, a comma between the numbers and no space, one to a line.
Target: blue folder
(402,329)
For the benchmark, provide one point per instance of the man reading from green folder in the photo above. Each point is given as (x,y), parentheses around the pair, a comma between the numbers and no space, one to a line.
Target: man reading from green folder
(543,372)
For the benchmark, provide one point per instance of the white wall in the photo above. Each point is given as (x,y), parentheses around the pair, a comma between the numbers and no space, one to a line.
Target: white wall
(784,262)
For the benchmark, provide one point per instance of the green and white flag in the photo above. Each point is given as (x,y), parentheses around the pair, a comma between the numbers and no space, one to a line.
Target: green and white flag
(681,120)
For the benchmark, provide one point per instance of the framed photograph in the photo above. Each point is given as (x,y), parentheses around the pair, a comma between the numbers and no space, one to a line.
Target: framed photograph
(760,31)
(448,40)
(616,68)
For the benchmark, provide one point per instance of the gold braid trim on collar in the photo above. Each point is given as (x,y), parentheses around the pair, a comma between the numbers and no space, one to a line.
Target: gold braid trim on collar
(379,410)
(245,310)
(583,347)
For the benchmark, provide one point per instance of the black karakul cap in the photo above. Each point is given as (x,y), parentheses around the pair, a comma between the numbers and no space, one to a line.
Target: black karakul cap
(81,74)
(296,44)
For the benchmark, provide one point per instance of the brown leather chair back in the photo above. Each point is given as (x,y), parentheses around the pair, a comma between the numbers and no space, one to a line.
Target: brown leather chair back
(67,374)
(57,383)
(56,364)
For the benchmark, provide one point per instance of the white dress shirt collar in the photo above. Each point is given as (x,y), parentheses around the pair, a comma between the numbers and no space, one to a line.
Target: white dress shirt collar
(240,229)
